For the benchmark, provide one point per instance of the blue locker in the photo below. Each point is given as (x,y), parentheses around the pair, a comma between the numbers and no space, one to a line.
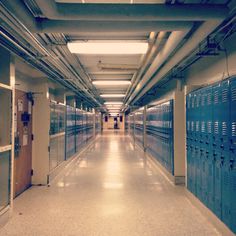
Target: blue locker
(210,179)
(189,169)
(232,154)
(218,164)
(226,189)
(232,183)
(233,118)
(198,172)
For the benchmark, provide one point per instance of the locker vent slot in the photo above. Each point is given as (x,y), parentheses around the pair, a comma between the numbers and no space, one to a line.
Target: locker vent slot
(224,128)
(203,127)
(197,126)
(224,95)
(209,127)
(192,126)
(233,94)
(234,129)
(208,99)
(193,100)
(216,127)
(188,125)
(216,97)
(202,101)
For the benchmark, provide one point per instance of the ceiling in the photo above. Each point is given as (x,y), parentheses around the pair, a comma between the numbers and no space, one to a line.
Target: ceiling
(172,28)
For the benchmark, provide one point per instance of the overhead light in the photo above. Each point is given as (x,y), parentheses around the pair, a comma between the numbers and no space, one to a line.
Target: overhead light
(112,95)
(105,47)
(113,103)
(114,107)
(113,114)
(114,111)
(111,82)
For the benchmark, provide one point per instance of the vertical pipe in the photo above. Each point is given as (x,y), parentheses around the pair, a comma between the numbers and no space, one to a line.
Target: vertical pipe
(144,128)
(12,84)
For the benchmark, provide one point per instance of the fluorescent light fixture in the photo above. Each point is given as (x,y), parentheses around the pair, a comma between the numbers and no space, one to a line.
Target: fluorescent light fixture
(111,82)
(114,114)
(112,95)
(113,103)
(105,47)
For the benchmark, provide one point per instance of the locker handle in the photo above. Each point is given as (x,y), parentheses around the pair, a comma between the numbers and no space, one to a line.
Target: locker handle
(231,148)
(201,141)
(222,160)
(214,144)
(231,164)
(207,142)
(222,146)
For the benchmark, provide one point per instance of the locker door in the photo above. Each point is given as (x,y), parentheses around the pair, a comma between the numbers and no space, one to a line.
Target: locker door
(232,184)
(218,158)
(207,139)
(218,163)
(202,133)
(224,132)
(232,149)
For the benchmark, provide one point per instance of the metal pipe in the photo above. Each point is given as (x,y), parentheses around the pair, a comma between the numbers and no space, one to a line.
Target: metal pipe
(171,45)
(62,26)
(198,36)
(131,12)
(147,61)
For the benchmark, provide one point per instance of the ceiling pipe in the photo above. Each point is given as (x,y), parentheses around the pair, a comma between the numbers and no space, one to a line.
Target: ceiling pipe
(171,45)
(130,12)
(16,8)
(22,13)
(61,26)
(192,43)
(159,42)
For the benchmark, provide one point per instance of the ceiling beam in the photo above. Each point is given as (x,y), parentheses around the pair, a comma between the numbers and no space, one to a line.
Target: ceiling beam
(60,26)
(131,12)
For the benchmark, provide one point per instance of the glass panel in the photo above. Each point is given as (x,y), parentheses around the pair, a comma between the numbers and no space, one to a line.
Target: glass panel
(61,149)
(53,153)
(4,179)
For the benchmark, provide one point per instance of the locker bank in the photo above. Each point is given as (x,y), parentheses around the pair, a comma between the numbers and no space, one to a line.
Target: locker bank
(117,117)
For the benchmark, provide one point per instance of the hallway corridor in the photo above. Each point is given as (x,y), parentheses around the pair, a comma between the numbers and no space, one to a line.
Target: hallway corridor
(110,190)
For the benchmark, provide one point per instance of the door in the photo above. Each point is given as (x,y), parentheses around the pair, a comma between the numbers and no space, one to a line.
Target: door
(23,143)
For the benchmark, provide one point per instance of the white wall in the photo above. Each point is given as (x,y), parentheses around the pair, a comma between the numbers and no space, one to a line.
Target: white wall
(211,69)
(110,124)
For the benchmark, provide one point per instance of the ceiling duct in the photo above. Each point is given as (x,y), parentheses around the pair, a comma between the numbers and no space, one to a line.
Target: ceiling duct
(130,12)
(197,37)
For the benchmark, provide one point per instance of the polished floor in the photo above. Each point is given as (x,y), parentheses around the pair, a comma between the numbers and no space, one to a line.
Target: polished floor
(110,190)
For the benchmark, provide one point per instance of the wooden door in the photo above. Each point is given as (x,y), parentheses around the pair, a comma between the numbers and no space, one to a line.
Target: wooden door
(23,143)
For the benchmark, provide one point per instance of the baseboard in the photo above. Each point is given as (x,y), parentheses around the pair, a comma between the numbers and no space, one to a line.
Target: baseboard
(179,180)
(156,165)
(214,220)
(5,215)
